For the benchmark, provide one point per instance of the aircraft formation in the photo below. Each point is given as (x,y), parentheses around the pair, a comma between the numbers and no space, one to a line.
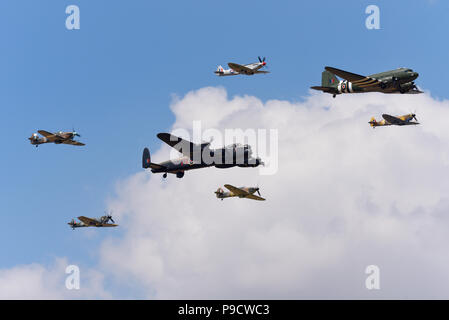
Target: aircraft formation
(398,81)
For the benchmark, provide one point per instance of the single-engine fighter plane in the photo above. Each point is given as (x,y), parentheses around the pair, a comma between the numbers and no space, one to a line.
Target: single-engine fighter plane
(196,156)
(388,120)
(248,69)
(90,222)
(394,81)
(242,192)
(57,138)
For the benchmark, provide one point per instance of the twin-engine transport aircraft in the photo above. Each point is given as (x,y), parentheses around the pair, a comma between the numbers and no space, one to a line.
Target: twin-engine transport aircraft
(57,138)
(90,222)
(248,69)
(394,81)
(388,120)
(198,156)
(242,192)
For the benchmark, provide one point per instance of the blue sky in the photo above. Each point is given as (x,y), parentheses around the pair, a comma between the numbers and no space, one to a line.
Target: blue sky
(114,79)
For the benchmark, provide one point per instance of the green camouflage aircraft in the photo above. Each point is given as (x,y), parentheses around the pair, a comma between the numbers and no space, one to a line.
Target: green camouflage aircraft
(242,192)
(393,81)
(389,120)
(93,222)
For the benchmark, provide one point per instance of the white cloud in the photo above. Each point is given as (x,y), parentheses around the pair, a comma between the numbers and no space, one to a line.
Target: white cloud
(37,281)
(345,196)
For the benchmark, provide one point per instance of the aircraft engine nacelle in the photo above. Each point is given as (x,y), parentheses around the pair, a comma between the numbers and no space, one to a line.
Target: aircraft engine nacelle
(406,86)
(344,87)
(224,166)
(252,164)
(180,174)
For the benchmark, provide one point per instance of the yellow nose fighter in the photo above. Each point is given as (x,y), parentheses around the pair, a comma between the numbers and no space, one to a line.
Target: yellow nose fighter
(243,192)
(388,120)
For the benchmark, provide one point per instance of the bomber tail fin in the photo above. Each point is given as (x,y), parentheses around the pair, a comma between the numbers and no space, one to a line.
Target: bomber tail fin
(146,158)
(329,83)
(328,79)
(146,161)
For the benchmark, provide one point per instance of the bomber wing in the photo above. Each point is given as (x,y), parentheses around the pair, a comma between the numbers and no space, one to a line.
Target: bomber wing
(236,191)
(187,148)
(356,79)
(239,68)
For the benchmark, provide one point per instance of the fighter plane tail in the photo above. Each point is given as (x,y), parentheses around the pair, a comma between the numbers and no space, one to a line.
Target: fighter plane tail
(219,70)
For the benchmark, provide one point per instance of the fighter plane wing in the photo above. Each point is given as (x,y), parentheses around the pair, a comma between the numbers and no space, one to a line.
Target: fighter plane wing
(356,79)
(393,120)
(262,71)
(254,197)
(239,68)
(88,221)
(108,225)
(187,148)
(73,143)
(236,191)
(50,136)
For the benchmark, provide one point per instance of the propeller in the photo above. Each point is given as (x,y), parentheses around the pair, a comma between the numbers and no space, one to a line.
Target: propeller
(413,114)
(75,134)
(109,216)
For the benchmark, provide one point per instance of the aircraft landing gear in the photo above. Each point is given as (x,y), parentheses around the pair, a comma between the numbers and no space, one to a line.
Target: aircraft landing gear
(334,95)
(165,175)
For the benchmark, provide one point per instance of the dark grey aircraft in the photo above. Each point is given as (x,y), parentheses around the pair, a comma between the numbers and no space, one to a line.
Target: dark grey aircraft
(57,138)
(90,222)
(394,81)
(198,156)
